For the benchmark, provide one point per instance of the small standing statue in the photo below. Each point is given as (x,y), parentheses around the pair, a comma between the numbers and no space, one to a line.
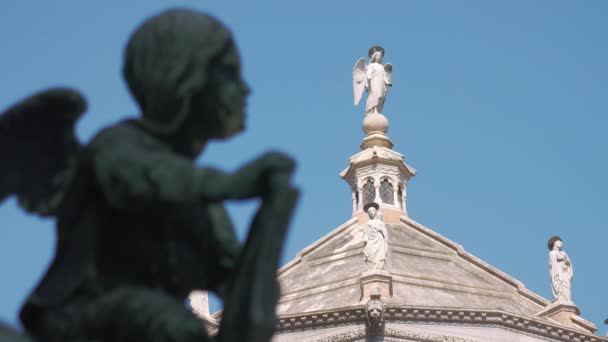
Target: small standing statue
(375,238)
(139,224)
(561,271)
(375,78)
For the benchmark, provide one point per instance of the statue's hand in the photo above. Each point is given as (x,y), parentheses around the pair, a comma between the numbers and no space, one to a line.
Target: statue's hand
(276,162)
(276,170)
(259,177)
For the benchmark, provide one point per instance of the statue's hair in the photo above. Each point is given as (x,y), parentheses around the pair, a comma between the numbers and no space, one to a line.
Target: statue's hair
(167,60)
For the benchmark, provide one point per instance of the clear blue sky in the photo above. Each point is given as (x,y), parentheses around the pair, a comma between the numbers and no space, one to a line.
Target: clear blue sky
(500,105)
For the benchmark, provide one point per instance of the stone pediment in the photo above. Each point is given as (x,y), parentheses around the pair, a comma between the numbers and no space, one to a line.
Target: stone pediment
(427,270)
(432,284)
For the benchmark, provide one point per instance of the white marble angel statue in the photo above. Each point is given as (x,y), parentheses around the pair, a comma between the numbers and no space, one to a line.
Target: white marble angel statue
(560,268)
(375,77)
(375,238)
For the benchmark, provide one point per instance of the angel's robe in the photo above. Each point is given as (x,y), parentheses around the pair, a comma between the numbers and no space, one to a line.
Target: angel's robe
(561,275)
(376,243)
(377,87)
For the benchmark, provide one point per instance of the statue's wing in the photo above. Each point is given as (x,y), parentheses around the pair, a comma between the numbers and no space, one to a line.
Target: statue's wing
(38,147)
(359,79)
(388,72)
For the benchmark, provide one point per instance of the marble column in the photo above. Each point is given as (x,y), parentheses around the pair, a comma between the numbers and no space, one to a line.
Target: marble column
(404,194)
(396,196)
(377,189)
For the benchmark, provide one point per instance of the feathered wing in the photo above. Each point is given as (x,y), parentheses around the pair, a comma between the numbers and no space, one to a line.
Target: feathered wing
(359,79)
(388,73)
(38,148)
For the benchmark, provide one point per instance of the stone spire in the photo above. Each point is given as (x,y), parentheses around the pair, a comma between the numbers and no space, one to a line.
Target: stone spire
(377,173)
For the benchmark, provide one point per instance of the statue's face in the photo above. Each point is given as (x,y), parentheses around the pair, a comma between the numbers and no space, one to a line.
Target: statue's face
(218,109)
(375,313)
(372,212)
(377,57)
(232,93)
(557,244)
(375,310)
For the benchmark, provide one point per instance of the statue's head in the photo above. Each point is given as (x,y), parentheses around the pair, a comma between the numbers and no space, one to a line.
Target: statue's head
(555,242)
(183,69)
(371,209)
(376,53)
(375,311)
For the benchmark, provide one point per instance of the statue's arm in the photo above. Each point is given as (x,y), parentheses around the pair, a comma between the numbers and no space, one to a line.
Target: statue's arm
(562,257)
(132,176)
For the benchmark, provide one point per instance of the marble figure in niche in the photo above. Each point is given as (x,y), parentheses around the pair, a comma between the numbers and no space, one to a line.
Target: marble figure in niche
(375,238)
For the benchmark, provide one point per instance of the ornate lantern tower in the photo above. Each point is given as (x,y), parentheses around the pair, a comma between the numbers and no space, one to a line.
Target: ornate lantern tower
(377,173)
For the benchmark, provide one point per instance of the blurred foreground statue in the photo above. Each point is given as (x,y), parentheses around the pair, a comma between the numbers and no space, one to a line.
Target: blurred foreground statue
(139,225)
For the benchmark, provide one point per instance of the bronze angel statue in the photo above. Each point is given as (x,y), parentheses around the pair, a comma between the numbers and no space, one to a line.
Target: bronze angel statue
(139,224)
(374,77)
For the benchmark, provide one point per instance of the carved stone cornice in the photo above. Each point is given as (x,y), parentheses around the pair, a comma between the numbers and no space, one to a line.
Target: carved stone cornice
(392,334)
(438,316)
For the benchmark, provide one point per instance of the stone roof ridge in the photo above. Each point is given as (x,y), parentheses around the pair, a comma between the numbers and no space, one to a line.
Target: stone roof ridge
(521,288)
(377,152)
(298,258)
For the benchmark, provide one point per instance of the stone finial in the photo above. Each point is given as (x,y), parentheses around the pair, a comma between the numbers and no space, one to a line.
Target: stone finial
(375,126)
(199,303)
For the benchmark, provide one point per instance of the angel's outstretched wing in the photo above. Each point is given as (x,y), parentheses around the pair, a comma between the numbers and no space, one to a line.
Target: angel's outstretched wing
(388,72)
(38,147)
(359,79)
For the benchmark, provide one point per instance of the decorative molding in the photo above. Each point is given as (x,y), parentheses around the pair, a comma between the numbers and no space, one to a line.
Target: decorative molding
(422,336)
(349,336)
(435,316)
(396,333)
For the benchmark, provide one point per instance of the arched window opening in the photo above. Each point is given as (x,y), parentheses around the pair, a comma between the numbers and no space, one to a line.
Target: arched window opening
(400,197)
(386,192)
(369,192)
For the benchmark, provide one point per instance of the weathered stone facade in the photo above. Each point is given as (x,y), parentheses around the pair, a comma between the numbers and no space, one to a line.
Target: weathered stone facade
(430,288)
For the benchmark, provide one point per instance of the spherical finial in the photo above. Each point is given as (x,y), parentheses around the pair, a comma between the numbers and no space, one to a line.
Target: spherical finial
(375,122)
